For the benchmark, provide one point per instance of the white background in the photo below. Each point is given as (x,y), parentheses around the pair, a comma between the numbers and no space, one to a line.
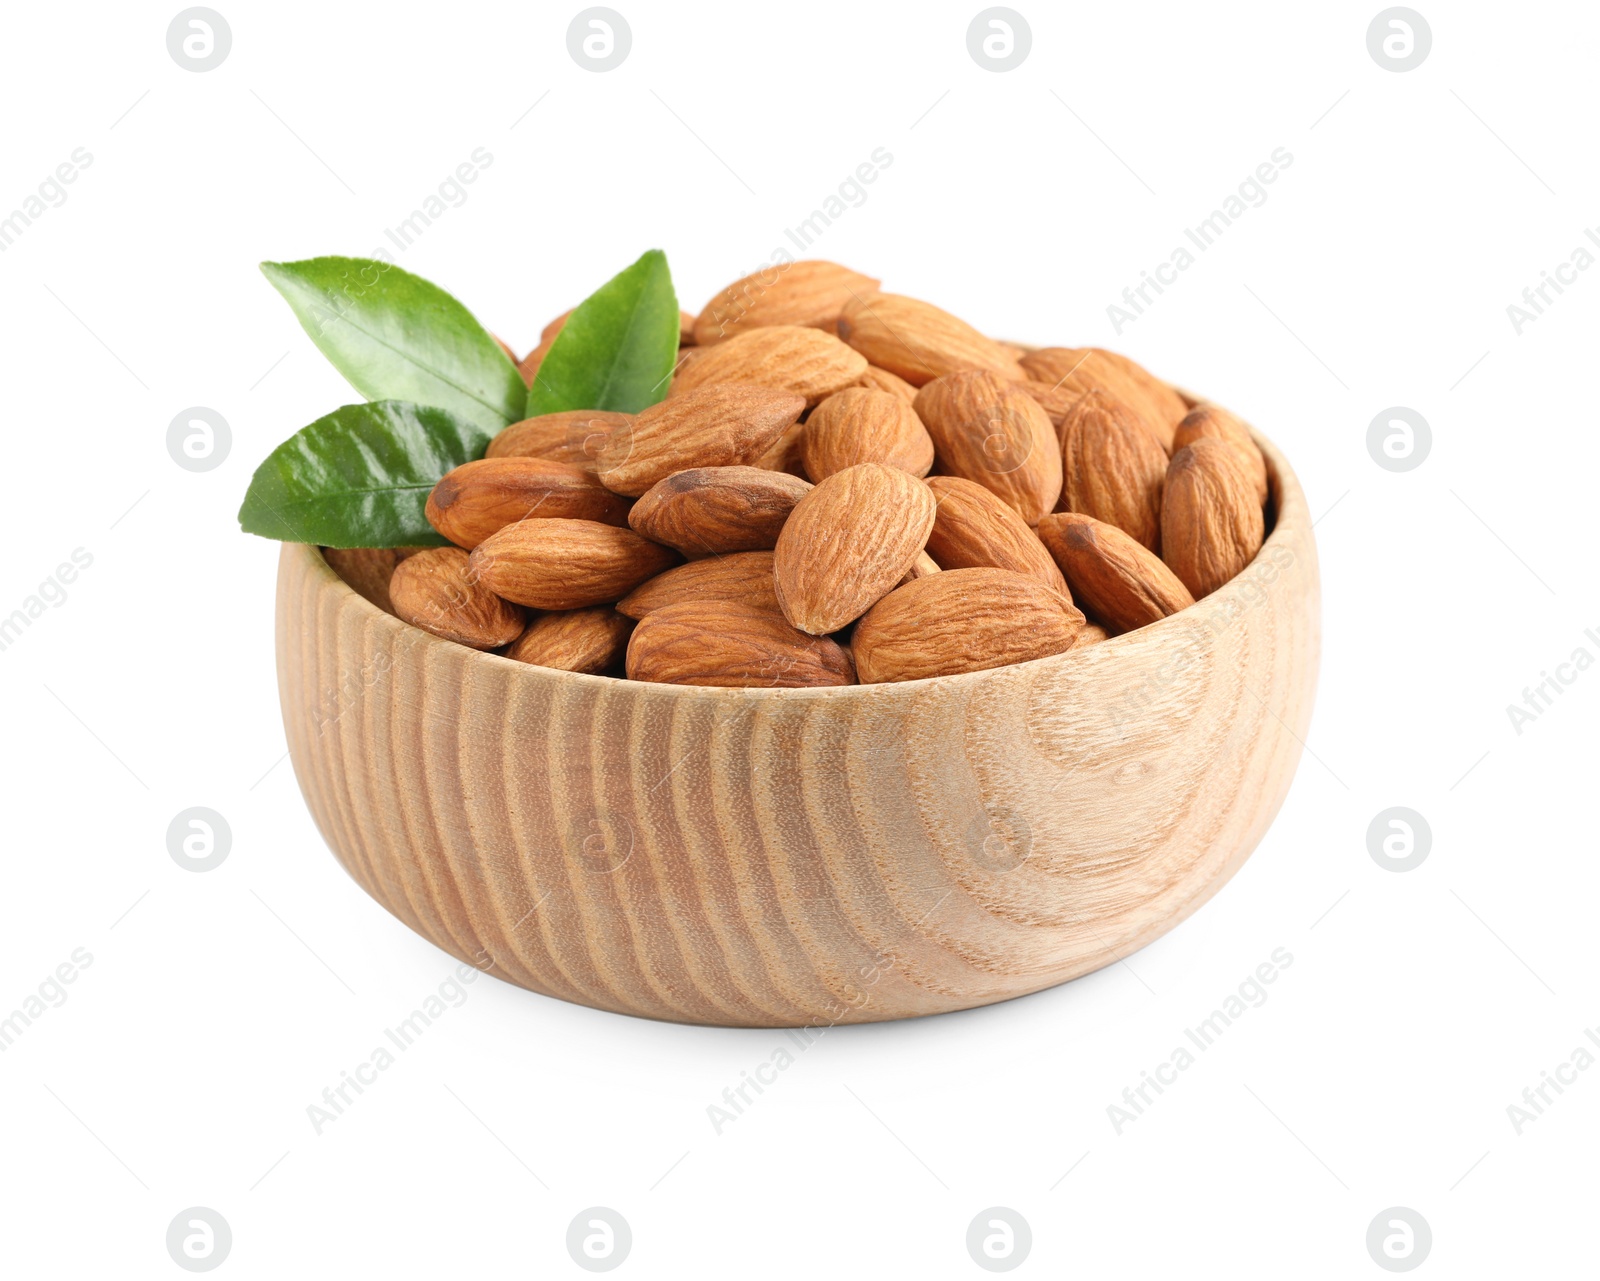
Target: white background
(218,1006)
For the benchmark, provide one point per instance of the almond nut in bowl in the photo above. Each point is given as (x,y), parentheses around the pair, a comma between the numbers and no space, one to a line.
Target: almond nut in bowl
(806,856)
(769,812)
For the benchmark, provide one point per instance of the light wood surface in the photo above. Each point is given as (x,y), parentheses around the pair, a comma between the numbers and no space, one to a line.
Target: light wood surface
(779,858)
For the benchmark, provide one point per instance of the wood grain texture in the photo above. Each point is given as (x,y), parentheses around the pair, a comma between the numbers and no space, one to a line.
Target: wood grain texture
(780,858)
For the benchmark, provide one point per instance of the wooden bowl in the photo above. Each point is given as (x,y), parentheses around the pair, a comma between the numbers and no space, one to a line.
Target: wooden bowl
(779,858)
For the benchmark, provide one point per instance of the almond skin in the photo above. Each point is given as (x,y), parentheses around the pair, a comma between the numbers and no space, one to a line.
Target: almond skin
(1092,634)
(566,564)
(848,542)
(727,643)
(573,436)
(918,341)
(686,357)
(574,640)
(481,498)
(713,426)
(1055,401)
(1083,369)
(990,431)
(1217,423)
(743,576)
(962,620)
(366,570)
(1117,579)
(1113,468)
(811,293)
(920,568)
(784,453)
(529,365)
(706,511)
(882,380)
(437,591)
(858,425)
(1211,523)
(973,528)
(784,357)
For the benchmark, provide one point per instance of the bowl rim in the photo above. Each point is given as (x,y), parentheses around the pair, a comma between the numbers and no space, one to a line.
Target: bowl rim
(1288,504)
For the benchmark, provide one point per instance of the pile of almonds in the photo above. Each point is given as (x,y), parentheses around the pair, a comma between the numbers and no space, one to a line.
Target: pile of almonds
(842,486)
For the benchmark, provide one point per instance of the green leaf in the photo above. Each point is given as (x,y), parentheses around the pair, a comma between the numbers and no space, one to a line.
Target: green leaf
(360,477)
(395,336)
(618,347)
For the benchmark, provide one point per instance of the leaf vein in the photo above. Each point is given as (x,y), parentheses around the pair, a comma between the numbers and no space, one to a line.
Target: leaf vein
(425,367)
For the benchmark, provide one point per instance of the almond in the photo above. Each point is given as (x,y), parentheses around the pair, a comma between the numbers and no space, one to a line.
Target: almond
(528,367)
(574,640)
(1113,467)
(366,570)
(480,498)
(566,564)
(883,380)
(1211,523)
(1084,369)
(848,542)
(1054,400)
(974,527)
(1217,423)
(686,357)
(713,510)
(990,431)
(1117,579)
(708,642)
(743,576)
(858,425)
(437,591)
(918,341)
(810,293)
(1092,634)
(962,620)
(784,453)
(920,568)
(548,333)
(712,426)
(572,436)
(685,329)
(784,357)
